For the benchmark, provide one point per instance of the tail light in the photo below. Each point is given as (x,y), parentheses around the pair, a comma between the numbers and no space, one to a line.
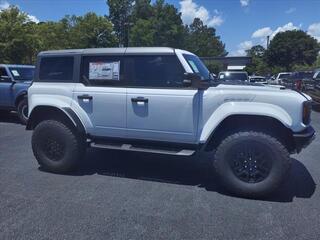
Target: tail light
(299,85)
(306,112)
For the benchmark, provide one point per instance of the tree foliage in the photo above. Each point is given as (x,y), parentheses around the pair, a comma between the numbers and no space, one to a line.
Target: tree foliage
(130,22)
(160,24)
(202,40)
(258,66)
(291,48)
(21,40)
(18,38)
(120,12)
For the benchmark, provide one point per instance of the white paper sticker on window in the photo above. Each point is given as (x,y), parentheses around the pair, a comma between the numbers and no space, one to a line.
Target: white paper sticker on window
(104,71)
(15,73)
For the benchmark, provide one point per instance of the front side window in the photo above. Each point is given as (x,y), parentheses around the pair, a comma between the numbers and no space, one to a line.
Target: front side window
(22,74)
(56,69)
(154,71)
(102,70)
(3,75)
(3,72)
(197,66)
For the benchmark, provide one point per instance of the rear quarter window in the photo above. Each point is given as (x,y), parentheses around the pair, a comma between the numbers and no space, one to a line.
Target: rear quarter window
(56,69)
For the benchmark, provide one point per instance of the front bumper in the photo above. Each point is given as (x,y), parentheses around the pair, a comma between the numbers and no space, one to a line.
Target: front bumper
(304,138)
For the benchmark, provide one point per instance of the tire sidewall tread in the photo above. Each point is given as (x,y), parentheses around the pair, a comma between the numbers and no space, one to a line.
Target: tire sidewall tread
(74,146)
(280,165)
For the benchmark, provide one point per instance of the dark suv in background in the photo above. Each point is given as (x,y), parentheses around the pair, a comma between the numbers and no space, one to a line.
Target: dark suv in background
(299,80)
(14,83)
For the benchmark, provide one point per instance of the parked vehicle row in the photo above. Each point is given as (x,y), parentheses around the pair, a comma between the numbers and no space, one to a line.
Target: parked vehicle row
(14,83)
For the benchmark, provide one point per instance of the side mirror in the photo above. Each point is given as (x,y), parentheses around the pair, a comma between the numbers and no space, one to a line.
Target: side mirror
(195,81)
(213,76)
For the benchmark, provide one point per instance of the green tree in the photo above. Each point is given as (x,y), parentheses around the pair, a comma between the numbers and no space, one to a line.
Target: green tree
(291,48)
(18,38)
(142,34)
(159,24)
(91,31)
(258,66)
(202,40)
(142,31)
(256,51)
(54,35)
(142,9)
(120,15)
(168,26)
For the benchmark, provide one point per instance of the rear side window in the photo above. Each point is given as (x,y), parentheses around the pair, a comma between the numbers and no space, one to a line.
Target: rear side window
(154,71)
(56,69)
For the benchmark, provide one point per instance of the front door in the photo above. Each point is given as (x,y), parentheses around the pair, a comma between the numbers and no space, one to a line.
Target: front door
(5,88)
(159,106)
(102,95)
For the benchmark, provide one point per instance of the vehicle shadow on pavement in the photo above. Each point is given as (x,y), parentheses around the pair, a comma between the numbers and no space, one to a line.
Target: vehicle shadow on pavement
(9,117)
(184,171)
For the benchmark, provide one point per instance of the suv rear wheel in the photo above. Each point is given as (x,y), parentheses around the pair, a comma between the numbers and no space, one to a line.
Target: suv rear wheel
(57,147)
(251,164)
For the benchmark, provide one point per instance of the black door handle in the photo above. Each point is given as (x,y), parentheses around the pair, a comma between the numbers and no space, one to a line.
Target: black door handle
(139,99)
(85,96)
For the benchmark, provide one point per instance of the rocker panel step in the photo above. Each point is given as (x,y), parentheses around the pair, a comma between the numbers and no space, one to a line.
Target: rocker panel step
(129,147)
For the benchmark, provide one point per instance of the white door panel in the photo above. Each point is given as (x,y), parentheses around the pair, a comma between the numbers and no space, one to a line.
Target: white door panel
(106,109)
(168,114)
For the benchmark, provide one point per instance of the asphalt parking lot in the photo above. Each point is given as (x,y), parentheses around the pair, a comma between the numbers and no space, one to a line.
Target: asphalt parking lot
(137,196)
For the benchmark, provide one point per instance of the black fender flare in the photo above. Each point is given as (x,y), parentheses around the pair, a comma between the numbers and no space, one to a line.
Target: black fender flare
(21,95)
(66,111)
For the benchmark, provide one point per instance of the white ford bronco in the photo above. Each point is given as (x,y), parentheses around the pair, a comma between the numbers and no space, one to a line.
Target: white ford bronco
(162,100)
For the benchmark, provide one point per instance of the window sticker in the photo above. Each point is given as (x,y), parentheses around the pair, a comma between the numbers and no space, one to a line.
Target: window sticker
(194,67)
(15,73)
(104,71)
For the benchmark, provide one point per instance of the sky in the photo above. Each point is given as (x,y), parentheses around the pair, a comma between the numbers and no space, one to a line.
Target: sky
(240,23)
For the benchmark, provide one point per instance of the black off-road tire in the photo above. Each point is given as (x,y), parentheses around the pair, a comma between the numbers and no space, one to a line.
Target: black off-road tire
(22,110)
(228,169)
(57,147)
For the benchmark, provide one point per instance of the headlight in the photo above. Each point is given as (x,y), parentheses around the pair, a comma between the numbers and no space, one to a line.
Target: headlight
(306,112)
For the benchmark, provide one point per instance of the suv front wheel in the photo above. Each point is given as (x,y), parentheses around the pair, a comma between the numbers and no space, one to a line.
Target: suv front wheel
(22,110)
(57,147)
(251,164)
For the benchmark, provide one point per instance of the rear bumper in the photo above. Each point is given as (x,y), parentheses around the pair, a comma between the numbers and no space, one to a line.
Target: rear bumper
(304,138)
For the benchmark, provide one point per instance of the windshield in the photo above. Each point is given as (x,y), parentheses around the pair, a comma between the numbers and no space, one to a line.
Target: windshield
(284,75)
(230,76)
(197,66)
(20,73)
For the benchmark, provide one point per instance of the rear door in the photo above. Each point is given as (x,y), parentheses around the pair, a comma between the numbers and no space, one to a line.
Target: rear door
(101,95)
(159,106)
